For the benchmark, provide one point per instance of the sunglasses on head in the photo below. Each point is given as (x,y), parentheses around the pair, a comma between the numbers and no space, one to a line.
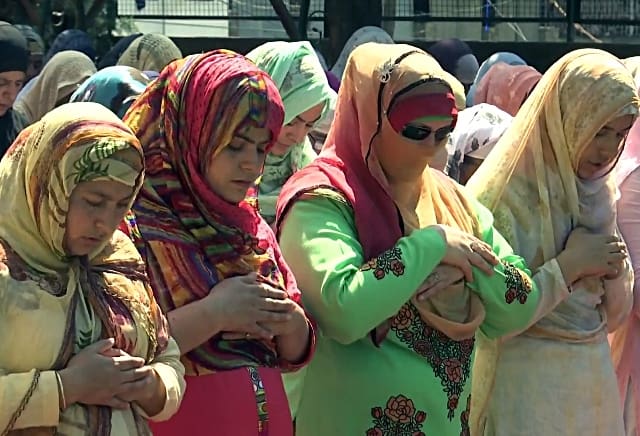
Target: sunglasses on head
(420,133)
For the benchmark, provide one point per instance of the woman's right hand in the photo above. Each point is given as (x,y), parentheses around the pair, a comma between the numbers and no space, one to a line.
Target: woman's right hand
(242,304)
(588,254)
(465,251)
(97,373)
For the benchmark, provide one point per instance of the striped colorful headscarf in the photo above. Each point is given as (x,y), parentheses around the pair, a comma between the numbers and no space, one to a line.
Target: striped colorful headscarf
(191,238)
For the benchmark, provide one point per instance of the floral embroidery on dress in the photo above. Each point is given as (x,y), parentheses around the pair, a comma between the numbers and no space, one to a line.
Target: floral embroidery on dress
(464,419)
(450,360)
(399,417)
(518,284)
(388,262)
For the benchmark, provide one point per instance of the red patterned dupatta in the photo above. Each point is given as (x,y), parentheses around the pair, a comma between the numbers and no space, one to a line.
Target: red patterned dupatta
(190,237)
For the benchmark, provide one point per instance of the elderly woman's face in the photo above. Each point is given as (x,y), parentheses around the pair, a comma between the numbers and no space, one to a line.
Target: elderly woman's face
(10,84)
(95,210)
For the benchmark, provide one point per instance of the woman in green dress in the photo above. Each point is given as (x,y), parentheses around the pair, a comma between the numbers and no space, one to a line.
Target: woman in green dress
(392,259)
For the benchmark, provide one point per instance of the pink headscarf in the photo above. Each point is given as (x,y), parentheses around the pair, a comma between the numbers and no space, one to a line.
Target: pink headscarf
(625,343)
(630,157)
(507,86)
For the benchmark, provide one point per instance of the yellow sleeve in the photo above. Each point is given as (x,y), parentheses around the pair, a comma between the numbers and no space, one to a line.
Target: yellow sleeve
(32,398)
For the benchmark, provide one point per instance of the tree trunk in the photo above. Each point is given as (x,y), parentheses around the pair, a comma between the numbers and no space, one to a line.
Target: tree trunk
(303,20)
(81,16)
(342,18)
(389,10)
(285,18)
(95,10)
(31,10)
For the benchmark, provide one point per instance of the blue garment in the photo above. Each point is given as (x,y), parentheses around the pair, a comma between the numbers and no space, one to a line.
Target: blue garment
(113,87)
(501,56)
(72,39)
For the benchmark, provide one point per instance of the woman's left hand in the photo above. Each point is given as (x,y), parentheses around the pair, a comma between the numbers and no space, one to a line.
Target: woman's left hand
(296,323)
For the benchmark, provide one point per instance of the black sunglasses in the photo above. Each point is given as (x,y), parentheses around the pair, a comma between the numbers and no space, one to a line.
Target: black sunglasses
(420,133)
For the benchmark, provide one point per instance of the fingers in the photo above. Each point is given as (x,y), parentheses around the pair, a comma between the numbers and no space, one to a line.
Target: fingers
(433,279)
(113,352)
(485,251)
(612,239)
(267,291)
(131,391)
(617,247)
(136,374)
(269,304)
(126,363)
(255,331)
(481,263)
(117,403)
(490,257)
(441,277)
(269,316)
(101,346)
(465,267)
(235,336)
(252,277)
(616,257)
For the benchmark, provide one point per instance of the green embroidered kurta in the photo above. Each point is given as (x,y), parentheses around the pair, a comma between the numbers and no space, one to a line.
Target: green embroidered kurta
(418,381)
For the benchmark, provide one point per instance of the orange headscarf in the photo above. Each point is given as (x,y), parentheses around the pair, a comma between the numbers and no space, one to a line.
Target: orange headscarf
(348,163)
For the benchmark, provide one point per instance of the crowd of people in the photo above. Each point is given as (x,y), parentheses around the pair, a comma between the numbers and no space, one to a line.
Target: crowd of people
(406,243)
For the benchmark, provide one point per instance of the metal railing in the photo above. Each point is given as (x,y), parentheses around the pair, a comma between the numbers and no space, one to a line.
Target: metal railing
(588,19)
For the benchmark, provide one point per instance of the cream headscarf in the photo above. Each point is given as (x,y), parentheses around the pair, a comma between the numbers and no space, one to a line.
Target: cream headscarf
(529,182)
(633,65)
(150,52)
(538,156)
(59,78)
(43,167)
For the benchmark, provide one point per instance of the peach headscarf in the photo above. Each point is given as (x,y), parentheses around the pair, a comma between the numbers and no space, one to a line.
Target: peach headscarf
(507,86)
(375,74)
